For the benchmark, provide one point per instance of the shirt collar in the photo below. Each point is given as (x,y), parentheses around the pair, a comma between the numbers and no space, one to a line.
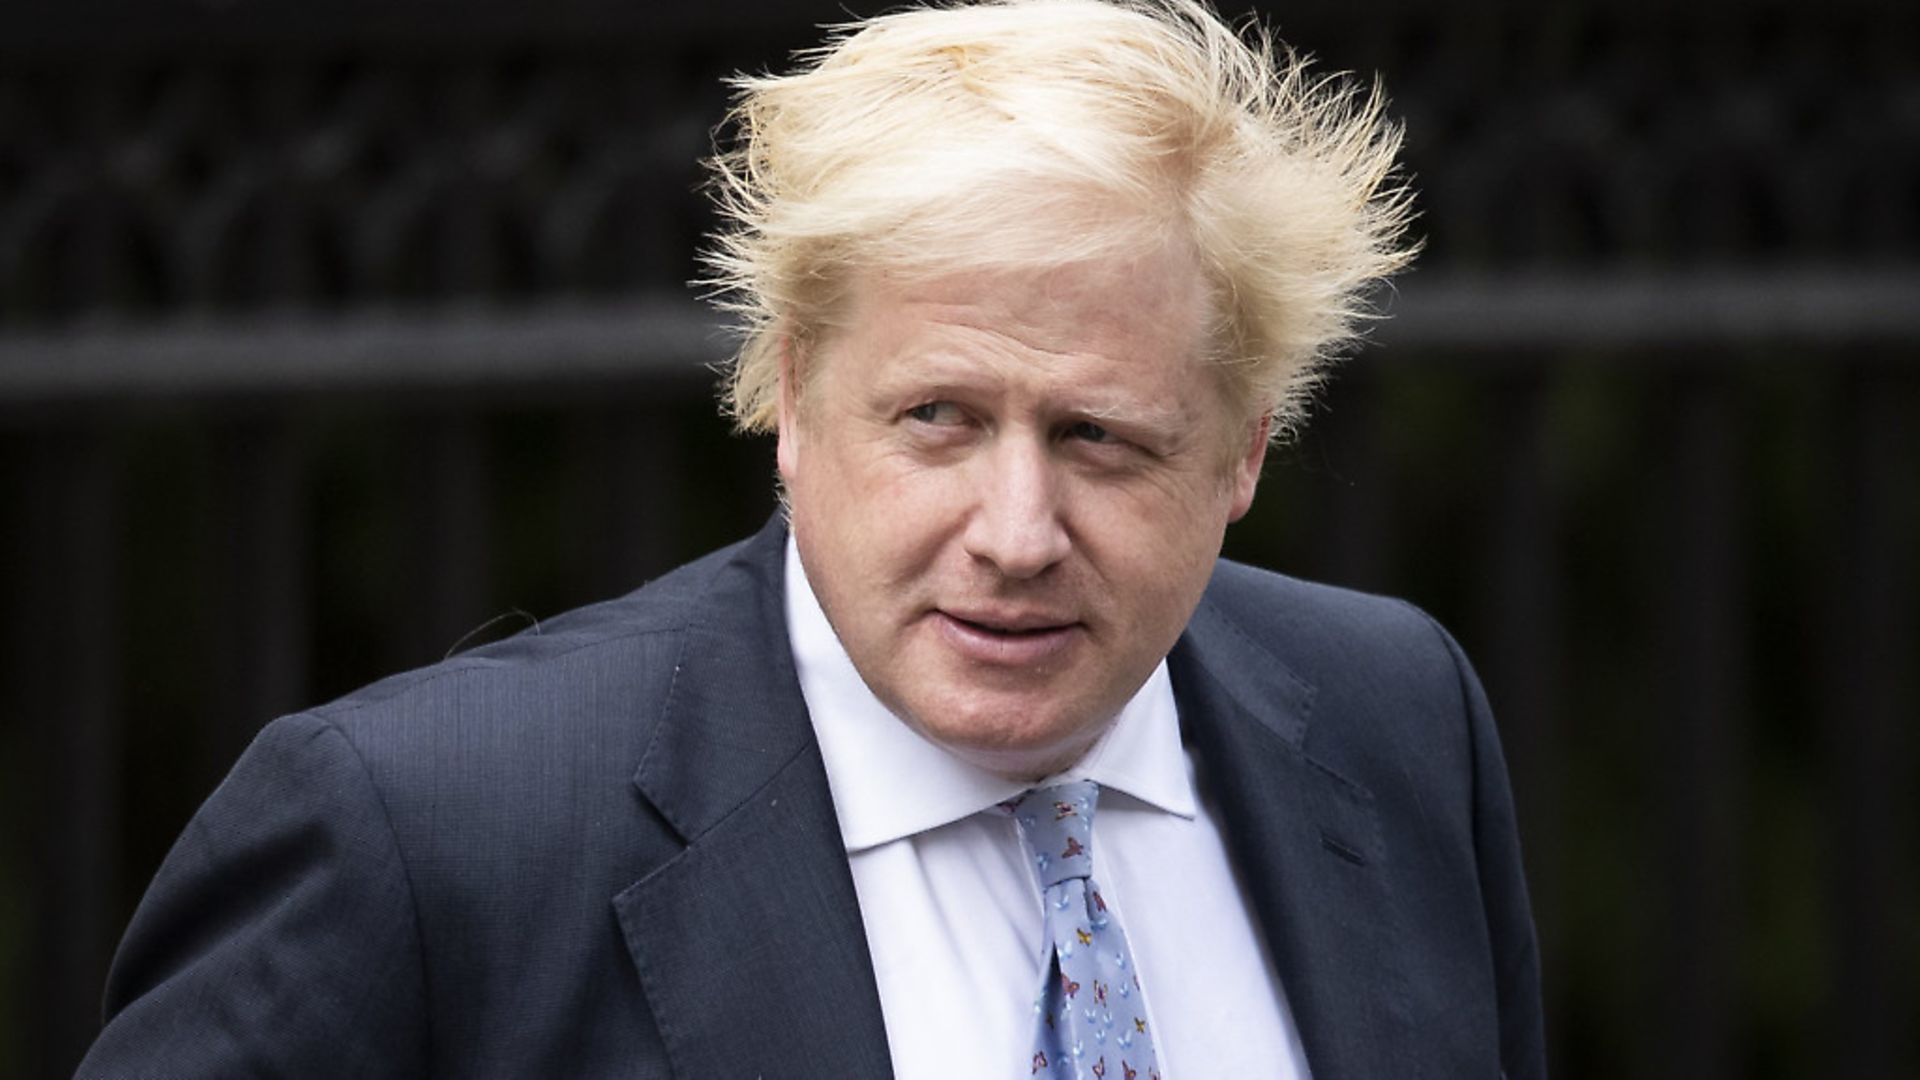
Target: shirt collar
(889,781)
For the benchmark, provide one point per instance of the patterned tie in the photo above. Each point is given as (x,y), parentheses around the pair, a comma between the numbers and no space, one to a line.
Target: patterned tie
(1090,1018)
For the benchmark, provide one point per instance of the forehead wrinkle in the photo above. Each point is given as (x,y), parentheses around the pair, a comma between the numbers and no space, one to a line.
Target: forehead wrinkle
(1025,304)
(976,319)
(1095,339)
(1007,370)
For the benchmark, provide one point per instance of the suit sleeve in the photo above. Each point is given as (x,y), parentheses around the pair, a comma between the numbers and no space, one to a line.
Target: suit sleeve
(279,937)
(1503,887)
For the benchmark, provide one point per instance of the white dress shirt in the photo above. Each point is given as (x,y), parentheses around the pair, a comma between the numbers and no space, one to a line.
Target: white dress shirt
(951,904)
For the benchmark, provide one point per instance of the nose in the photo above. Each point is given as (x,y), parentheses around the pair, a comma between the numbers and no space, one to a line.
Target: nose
(1017,522)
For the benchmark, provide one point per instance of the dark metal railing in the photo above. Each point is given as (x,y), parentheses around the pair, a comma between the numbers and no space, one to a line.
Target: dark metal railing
(1672,558)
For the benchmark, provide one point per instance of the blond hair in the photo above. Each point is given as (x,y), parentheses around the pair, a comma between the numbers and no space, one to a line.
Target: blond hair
(1042,132)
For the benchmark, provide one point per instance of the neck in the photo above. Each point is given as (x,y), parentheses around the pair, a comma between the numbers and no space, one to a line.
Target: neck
(1028,765)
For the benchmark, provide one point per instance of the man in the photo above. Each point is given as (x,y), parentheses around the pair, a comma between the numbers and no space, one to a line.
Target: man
(988,766)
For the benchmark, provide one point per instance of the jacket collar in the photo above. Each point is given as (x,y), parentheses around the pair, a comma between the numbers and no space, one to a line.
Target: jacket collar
(1306,841)
(749,942)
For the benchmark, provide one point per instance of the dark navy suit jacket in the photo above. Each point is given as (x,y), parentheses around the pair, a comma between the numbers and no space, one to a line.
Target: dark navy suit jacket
(606,847)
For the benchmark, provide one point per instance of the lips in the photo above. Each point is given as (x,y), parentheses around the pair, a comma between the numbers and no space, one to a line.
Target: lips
(1007,639)
(1009,624)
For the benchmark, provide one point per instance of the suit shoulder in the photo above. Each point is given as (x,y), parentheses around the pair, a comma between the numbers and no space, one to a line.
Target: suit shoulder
(1366,656)
(536,738)
(1389,686)
(617,631)
(597,676)
(1318,618)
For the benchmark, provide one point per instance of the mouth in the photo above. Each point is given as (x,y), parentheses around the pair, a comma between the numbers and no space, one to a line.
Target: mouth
(1008,640)
(1008,629)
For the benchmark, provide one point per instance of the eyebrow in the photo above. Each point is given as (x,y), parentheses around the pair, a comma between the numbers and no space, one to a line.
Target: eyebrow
(1164,418)
(937,371)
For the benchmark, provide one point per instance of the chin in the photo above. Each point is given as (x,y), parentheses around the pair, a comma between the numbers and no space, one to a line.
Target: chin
(1009,741)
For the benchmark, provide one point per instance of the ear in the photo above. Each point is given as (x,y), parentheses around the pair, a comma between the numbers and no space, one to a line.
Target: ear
(787,449)
(1246,469)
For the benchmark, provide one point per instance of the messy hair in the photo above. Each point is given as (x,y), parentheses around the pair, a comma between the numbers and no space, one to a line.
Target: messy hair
(1038,133)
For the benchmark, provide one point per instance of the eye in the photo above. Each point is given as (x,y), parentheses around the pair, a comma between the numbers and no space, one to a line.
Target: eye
(1088,431)
(935,412)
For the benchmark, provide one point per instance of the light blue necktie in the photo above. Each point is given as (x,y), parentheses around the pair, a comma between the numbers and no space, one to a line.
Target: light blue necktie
(1090,1019)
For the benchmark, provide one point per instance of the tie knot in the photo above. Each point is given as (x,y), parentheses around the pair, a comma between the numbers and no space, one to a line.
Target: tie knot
(1058,824)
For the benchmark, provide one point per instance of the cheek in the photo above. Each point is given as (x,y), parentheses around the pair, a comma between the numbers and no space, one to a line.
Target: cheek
(1173,519)
(1154,546)
(886,514)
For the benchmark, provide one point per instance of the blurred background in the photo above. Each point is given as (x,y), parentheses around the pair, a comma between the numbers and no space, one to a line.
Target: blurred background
(338,335)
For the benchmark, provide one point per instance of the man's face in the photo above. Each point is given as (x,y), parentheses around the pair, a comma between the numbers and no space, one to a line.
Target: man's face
(1008,490)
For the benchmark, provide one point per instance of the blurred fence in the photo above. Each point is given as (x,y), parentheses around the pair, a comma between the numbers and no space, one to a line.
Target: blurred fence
(333,337)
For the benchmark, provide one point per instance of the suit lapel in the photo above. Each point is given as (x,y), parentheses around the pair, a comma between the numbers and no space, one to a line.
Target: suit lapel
(1307,843)
(749,943)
